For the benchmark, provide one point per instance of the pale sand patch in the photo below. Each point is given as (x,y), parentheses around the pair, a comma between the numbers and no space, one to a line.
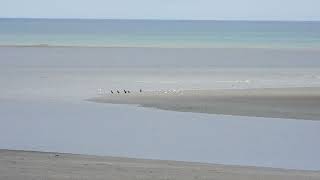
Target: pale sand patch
(16,165)
(292,103)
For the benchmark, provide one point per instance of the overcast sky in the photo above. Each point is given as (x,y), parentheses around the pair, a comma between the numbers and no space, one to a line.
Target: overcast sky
(164,9)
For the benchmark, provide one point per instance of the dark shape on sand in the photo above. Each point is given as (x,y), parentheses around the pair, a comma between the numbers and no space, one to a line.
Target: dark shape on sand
(111,92)
(140,90)
(118,92)
(125,91)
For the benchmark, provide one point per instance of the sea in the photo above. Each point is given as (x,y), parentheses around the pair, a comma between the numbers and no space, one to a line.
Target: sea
(159,33)
(50,67)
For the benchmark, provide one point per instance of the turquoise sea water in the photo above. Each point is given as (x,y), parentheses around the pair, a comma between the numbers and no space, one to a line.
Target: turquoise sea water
(159,33)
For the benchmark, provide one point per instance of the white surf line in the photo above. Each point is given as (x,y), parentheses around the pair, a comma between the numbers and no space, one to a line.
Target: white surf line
(160,82)
(143,81)
(236,81)
(168,82)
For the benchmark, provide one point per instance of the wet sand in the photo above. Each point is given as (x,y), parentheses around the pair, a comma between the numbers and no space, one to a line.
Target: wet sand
(16,165)
(291,103)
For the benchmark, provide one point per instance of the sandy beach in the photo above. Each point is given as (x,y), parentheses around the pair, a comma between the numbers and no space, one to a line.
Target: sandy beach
(16,165)
(291,103)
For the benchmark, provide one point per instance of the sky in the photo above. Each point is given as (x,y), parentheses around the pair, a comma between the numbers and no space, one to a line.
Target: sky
(305,10)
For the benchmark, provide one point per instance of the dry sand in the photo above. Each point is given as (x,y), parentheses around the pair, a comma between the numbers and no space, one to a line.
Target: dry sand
(18,165)
(292,103)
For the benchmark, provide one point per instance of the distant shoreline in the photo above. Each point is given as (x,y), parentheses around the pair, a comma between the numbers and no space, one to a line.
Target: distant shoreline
(173,20)
(162,47)
(290,103)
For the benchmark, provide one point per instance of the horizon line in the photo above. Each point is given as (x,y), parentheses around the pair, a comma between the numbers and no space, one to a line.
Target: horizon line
(154,19)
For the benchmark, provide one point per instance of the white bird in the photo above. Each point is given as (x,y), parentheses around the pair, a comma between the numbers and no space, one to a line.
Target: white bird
(99,91)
